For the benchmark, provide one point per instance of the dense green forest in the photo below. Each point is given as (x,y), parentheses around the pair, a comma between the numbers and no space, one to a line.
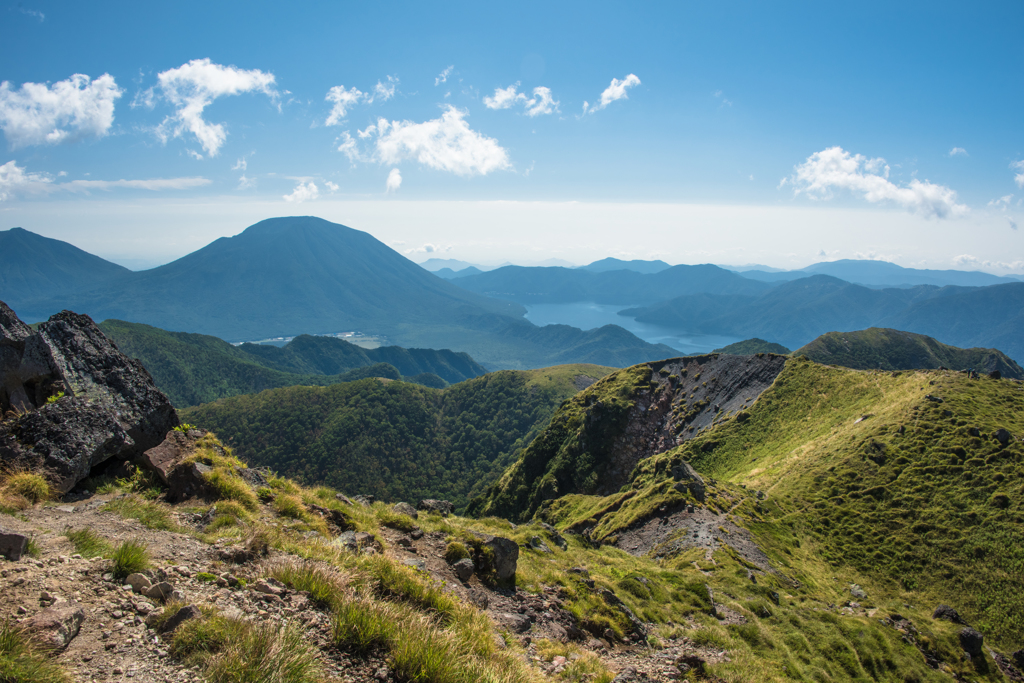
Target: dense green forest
(885,349)
(395,440)
(197,368)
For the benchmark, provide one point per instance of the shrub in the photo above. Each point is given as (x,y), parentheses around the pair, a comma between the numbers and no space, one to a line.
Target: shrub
(33,487)
(130,557)
(455,551)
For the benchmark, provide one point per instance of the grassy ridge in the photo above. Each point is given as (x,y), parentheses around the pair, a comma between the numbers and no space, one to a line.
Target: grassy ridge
(751,346)
(875,478)
(395,440)
(885,349)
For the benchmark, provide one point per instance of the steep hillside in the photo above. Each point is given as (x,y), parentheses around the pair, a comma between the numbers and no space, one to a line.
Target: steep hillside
(395,440)
(749,347)
(197,368)
(911,481)
(884,349)
(621,286)
(34,268)
(637,265)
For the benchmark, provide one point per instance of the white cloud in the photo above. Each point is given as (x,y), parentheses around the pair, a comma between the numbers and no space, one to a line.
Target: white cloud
(347,146)
(835,168)
(1002,202)
(958,151)
(615,91)
(1019,178)
(303,192)
(240,165)
(192,87)
(721,96)
(384,92)
(967,260)
(343,101)
(1013,223)
(37,113)
(32,13)
(14,180)
(394,181)
(333,187)
(446,143)
(244,182)
(428,249)
(504,97)
(541,103)
(443,76)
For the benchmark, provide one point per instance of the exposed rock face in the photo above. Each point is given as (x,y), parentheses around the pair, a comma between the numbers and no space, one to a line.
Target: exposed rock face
(441,507)
(685,396)
(110,408)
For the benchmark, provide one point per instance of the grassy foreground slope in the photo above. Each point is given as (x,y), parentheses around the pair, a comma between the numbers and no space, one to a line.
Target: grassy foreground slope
(866,473)
(395,440)
(886,349)
(197,368)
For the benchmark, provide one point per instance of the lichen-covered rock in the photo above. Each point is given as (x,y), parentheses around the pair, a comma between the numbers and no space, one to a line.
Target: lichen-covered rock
(506,557)
(405,509)
(110,406)
(56,626)
(441,507)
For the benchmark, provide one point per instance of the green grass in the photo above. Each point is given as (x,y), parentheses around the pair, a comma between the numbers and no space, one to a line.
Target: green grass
(29,485)
(23,662)
(88,543)
(151,514)
(129,557)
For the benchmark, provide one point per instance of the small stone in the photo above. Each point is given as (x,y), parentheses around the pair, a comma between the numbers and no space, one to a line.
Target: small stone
(161,591)
(180,617)
(177,596)
(140,583)
(464,569)
(416,534)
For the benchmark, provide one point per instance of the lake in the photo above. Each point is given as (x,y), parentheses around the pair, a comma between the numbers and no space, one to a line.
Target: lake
(588,316)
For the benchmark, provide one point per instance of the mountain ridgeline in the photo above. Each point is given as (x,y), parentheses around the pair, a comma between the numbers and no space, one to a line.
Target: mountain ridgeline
(196,368)
(884,349)
(395,440)
(299,275)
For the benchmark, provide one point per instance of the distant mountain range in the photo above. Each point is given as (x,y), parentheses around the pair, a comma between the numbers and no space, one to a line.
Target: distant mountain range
(794,313)
(295,275)
(882,274)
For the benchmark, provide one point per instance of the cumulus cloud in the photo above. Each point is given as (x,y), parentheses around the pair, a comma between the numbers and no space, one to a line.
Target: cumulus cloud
(394,181)
(38,114)
(541,103)
(836,169)
(244,182)
(15,180)
(969,261)
(443,76)
(192,87)
(615,91)
(343,101)
(347,146)
(333,187)
(303,192)
(1002,202)
(446,143)
(958,151)
(1019,178)
(240,165)
(428,249)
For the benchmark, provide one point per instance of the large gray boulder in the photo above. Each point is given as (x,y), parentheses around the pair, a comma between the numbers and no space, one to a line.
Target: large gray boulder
(110,407)
(506,557)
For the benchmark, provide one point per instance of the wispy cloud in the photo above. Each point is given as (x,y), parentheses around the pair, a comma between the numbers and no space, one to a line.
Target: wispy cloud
(15,181)
(1001,203)
(384,91)
(443,76)
(394,181)
(343,101)
(1019,178)
(720,96)
(614,92)
(958,151)
(836,169)
(35,14)
(541,103)
(305,191)
(969,261)
(192,87)
(76,108)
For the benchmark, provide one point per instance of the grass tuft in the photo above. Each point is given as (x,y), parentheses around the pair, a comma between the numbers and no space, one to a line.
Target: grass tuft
(130,557)
(23,662)
(88,543)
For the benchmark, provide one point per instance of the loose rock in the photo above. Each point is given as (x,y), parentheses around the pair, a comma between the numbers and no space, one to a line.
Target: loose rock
(56,626)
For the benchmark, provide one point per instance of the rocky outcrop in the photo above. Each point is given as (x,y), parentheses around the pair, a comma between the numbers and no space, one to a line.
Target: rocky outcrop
(440,507)
(72,400)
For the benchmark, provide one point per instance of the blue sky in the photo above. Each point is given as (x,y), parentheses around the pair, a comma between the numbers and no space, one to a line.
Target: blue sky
(725,132)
